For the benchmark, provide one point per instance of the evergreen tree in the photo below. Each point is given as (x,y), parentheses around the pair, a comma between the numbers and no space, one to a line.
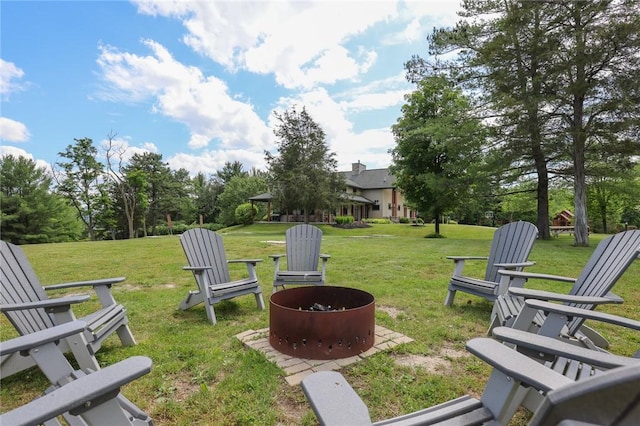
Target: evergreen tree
(303,176)
(29,211)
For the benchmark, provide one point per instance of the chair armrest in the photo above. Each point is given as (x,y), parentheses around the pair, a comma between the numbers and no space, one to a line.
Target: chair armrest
(325,256)
(527,275)
(459,263)
(333,400)
(528,293)
(511,266)
(583,313)
(196,269)
(456,258)
(80,395)
(513,364)
(102,288)
(546,348)
(277,256)
(93,283)
(42,337)
(254,261)
(50,305)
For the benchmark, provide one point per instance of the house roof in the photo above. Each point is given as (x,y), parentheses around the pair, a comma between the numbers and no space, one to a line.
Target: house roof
(370,179)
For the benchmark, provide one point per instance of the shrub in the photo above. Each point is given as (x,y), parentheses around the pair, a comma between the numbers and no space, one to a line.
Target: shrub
(403,220)
(344,220)
(377,221)
(245,213)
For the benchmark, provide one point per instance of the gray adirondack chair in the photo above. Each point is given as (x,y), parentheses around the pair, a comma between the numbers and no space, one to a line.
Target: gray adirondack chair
(205,253)
(572,361)
(609,261)
(303,255)
(510,249)
(77,397)
(335,402)
(24,301)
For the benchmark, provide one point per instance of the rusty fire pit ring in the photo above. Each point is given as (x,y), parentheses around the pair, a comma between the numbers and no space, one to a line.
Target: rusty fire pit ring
(346,330)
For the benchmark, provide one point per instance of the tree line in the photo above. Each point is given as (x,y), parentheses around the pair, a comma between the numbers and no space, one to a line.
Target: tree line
(130,196)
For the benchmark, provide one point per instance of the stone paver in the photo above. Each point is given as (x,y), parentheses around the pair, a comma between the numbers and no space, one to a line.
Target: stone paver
(297,369)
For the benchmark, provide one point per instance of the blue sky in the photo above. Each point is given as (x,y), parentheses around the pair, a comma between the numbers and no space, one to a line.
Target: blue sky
(198,81)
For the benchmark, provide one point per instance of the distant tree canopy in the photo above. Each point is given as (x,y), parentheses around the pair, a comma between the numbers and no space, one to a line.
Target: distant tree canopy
(303,175)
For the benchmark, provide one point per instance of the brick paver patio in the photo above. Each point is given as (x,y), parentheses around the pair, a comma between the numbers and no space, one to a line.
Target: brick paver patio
(297,369)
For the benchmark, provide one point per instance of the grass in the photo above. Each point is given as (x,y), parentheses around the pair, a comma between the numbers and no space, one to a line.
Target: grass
(203,375)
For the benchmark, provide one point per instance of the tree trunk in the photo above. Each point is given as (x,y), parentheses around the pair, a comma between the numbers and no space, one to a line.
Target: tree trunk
(578,134)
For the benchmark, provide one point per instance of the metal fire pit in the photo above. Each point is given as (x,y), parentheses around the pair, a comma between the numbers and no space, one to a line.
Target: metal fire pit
(347,329)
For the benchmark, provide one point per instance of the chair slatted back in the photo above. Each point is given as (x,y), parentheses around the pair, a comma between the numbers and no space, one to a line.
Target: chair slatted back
(205,248)
(611,398)
(19,284)
(512,243)
(608,262)
(303,247)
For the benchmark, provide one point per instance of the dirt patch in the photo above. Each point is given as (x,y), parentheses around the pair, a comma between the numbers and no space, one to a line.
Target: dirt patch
(435,364)
(390,310)
(290,411)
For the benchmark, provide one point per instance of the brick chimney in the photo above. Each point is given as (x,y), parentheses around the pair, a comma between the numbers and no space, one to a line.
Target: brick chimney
(357,168)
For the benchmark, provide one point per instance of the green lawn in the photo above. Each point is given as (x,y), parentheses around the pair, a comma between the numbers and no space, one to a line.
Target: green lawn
(203,375)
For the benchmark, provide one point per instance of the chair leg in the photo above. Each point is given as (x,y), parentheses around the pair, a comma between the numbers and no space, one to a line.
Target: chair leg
(125,335)
(451,294)
(260,301)
(80,348)
(211,314)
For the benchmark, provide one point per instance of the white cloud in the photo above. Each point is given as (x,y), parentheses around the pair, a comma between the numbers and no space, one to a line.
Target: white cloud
(295,41)
(420,17)
(13,131)
(209,162)
(184,94)
(9,73)
(19,152)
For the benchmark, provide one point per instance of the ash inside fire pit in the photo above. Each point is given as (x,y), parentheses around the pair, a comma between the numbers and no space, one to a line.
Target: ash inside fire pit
(322,322)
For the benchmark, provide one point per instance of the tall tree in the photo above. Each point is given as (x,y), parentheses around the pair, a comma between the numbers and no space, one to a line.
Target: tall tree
(29,211)
(558,76)
(303,176)
(206,192)
(80,181)
(158,179)
(597,92)
(503,54)
(130,185)
(437,147)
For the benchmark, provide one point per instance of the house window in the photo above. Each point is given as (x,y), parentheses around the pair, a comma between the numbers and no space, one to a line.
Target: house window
(375,207)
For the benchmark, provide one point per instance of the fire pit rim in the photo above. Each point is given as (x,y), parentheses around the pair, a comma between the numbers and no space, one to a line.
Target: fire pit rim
(339,288)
